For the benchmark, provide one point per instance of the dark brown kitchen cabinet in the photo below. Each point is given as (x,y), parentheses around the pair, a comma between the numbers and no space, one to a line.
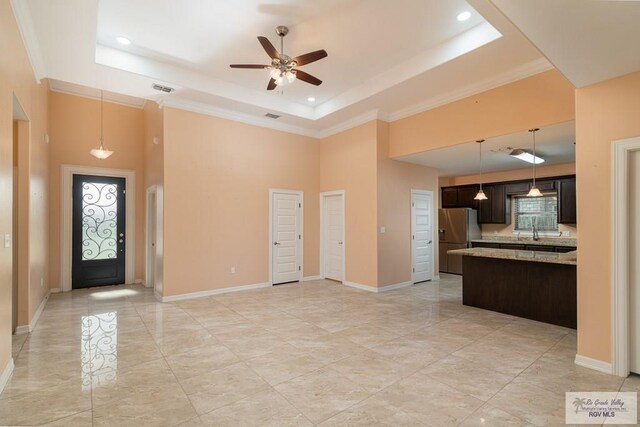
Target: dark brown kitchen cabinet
(497,208)
(514,188)
(565,249)
(567,213)
(546,186)
(540,248)
(459,197)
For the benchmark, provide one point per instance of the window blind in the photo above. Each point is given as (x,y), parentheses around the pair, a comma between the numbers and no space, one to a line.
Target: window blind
(539,211)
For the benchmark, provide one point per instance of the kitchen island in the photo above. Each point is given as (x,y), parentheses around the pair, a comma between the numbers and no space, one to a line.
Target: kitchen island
(535,285)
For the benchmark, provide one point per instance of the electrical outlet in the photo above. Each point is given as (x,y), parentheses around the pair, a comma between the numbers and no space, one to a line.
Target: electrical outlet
(383,230)
(233,270)
(566,233)
(7,240)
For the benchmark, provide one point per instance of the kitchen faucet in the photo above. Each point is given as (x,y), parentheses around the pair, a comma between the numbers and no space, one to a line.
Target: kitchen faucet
(536,237)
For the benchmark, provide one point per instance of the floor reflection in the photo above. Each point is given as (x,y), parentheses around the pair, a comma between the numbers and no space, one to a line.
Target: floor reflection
(99,349)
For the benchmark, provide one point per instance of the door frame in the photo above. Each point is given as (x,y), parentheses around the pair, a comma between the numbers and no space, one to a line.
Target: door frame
(66,216)
(272,192)
(150,254)
(323,220)
(620,257)
(429,194)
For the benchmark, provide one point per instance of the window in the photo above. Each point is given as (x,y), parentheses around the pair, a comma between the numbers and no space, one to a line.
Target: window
(539,211)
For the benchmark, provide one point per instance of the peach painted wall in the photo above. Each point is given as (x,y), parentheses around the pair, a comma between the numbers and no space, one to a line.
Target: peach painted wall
(16,77)
(153,154)
(154,175)
(395,181)
(74,130)
(539,100)
(217,176)
(348,162)
(605,112)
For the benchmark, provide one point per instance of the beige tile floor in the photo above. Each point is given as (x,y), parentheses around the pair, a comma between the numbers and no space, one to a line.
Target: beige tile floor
(317,353)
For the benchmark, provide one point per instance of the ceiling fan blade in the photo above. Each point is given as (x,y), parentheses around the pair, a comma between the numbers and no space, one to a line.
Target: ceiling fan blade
(310,57)
(272,84)
(268,47)
(251,66)
(306,77)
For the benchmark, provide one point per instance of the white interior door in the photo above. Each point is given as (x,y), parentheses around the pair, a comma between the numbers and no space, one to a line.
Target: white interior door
(422,236)
(151,239)
(333,237)
(634,268)
(286,236)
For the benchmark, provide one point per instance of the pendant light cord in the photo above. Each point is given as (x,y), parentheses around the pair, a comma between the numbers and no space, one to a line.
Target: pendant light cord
(534,154)
(101,120)
(480,142)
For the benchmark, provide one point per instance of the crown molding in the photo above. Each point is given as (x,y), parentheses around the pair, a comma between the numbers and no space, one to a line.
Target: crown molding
(223,113)
(138,104)
(527,70)
(353,122)
(25,26)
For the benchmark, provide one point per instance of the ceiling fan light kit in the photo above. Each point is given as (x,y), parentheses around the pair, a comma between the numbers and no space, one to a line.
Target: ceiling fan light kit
(282,69)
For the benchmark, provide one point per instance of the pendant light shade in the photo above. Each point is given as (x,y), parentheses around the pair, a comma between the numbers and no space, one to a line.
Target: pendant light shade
(101,152)
(534,192)
(480,195)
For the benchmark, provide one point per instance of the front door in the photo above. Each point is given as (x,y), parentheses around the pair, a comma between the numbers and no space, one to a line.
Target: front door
(333,232)
(287,236)
(421,236)
(98,257)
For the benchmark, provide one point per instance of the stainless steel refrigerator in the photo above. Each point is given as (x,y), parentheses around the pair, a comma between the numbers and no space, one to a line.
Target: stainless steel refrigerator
(457,228)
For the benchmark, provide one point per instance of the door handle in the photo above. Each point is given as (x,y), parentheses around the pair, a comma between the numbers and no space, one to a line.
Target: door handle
(276,243)
(430,242)
(339,243)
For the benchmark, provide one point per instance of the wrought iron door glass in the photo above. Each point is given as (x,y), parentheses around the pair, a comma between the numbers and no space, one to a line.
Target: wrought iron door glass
(99,221)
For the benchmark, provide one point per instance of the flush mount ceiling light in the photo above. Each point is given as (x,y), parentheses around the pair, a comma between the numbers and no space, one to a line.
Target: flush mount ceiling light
(525,156)
(123,40)
(534,192)
(480,195)
(283,68)
(464,16)
(311,99)
(101,152)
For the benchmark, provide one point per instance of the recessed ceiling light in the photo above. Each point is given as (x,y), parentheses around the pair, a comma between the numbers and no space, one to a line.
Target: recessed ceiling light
(311,99)
(464,16)
(123,40)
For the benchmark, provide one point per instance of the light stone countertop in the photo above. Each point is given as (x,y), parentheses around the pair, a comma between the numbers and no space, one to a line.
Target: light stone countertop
(569,258)
(544,241)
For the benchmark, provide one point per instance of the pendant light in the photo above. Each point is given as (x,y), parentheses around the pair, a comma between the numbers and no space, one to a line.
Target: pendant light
(101,153)
(534,192)
(480,195)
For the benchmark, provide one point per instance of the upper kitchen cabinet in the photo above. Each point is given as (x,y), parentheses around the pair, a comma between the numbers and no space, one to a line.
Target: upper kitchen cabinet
(567,213)
(459,197)
(497,208)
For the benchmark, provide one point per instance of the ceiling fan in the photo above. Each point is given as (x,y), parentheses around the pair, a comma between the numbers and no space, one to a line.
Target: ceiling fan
(283,68)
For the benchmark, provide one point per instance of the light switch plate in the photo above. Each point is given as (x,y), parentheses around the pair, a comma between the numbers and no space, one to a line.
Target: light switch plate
(383,230)
(7,240)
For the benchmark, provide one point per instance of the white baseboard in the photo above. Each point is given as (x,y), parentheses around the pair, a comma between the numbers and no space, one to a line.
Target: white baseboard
(180,297)
(25,329)
(395,286)
(378,290)
(55,290)
(360,286)
(309,278)
(22,329)
(6,374)
(598,365)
